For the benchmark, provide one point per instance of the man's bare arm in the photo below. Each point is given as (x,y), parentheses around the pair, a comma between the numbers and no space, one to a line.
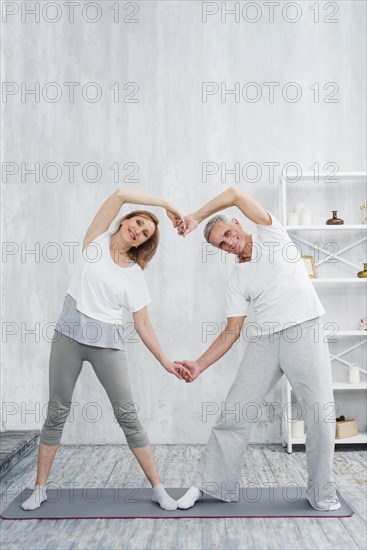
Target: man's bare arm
(230,197)
(251,208)
(218,348)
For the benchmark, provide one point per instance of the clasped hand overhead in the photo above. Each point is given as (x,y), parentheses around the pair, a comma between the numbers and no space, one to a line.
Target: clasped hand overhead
(183,224)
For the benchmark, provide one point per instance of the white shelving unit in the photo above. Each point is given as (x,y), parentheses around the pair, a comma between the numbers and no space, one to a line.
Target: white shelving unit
(358,236)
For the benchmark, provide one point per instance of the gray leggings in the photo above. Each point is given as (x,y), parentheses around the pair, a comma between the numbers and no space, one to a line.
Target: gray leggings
(302,353)
(110,365)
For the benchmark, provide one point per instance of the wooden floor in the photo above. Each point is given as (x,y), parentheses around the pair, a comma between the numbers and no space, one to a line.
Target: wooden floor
(108,465)
(14,445)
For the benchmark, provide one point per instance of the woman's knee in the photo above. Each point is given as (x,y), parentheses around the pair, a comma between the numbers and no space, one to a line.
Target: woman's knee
(53,426)
(138,439)
(128,419)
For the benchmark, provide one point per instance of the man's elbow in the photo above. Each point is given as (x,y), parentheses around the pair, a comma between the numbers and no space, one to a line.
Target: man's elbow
(234,327)
(231,336)
(233,192)
(236,196)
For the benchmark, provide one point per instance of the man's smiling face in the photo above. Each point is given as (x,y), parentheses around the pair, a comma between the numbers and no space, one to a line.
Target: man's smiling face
(231,238)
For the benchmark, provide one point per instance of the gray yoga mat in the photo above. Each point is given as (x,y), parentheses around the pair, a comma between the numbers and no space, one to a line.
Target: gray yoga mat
(78,503)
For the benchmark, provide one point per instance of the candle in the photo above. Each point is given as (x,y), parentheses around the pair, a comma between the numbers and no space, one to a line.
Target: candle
(298,428)
(306,216)
(298,208)
(363,208)
(292,218)
(354,373)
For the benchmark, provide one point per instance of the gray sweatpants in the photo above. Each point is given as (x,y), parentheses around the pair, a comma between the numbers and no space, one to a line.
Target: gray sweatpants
(304,357)
(111,367)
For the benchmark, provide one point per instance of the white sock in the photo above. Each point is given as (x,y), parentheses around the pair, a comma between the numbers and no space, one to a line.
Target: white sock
(35,500)
(163,498)
(189,498)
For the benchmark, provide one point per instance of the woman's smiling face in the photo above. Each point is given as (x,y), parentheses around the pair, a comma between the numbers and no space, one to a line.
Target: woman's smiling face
(135,231)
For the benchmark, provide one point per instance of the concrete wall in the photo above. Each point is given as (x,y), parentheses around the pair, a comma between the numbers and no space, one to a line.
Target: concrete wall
(159,132)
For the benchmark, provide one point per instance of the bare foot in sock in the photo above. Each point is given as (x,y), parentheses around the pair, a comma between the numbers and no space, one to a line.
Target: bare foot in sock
(164,500)
(35,500)
(190,497)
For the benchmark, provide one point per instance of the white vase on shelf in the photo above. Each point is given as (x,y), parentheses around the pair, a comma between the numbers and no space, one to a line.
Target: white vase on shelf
(354,377)
(306,216)
(298,209)
(292,218)
(298,428)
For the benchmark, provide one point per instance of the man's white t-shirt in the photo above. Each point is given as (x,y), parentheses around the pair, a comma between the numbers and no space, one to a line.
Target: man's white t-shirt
(275,282)
(104,290)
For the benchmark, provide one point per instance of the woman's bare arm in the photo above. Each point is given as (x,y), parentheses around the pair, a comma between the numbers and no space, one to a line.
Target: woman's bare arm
(144,328)
(113,204)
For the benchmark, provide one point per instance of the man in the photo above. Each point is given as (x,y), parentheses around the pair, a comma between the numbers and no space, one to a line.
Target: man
(270,275)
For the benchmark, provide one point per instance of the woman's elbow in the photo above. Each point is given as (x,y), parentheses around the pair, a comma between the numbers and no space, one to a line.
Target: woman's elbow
(141,325)
(120,192)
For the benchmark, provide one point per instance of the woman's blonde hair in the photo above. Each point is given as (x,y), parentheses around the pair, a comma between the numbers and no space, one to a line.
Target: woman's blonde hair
(143,253)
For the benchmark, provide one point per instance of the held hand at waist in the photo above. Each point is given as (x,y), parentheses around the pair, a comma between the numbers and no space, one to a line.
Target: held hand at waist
(179,371)
(191,367)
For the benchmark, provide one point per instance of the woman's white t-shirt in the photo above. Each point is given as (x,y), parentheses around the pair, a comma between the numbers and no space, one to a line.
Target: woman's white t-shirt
(275,282)
(104,290)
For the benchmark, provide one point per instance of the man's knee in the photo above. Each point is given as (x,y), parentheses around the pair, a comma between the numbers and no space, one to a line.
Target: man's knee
(238,416)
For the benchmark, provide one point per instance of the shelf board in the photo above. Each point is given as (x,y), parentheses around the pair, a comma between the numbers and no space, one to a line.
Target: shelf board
(359,438)
(347,386)
(311,176)
(348,333)
(339,280)
(324,227)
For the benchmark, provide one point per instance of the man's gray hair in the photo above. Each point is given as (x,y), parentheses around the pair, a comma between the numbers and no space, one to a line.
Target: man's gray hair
(211,223)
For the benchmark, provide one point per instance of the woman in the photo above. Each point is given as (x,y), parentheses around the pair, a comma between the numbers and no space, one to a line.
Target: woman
(101,288)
